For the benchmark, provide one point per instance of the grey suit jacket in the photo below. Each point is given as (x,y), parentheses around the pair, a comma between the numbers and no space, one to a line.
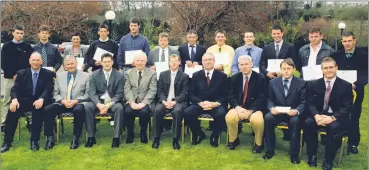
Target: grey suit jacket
(146,92)
(80,86)
(154,55)
(69,51)
(98,86)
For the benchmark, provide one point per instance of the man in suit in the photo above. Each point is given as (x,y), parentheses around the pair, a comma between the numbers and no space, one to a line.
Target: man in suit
(285,91)
(246,97)
(162,53)
(351,58)
(190,52)
(329,106)
(70,95)
(172,96)
(140,91)
(32,91)
(208,94)
(106,91)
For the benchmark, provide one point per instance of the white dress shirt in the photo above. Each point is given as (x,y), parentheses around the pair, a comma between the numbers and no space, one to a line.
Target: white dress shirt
(190,48)
(211,73)
(244,79)
(314,54)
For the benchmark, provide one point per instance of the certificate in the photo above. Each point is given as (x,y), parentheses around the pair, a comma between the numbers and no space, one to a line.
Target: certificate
(221,58)
(99,52)
(312,72)
(281,109)
(160,67)
(49,68)
(129,56)
(274,65)
(256,69)
(80,63)
(348,75)
(190,70)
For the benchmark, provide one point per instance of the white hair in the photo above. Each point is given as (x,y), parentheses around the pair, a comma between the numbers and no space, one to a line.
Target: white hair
(69,57)
(242,57)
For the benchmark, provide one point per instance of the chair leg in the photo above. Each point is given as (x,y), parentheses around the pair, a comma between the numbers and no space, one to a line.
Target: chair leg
(301,142)
(183,129)
(57,130)
(62,126)
(227,137)
(18,129)
(341,151)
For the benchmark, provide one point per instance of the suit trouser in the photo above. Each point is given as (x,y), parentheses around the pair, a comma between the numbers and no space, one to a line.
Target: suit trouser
(158,115)
(192,113)
(90,111)
(333,138)
(52,110)
(129,118)
(256,120)
(271,121)
(12,118)
(354,130)
(8,84)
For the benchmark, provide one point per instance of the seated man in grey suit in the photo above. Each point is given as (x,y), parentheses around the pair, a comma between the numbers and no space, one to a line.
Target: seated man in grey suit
(70,95)
(106,93)
(172,93)
(139,91)
(162,53)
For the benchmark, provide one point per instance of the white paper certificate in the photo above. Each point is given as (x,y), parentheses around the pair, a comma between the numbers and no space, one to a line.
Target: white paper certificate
(221,58)
(348,75)
(129,56)
(192,70)
(312,72)
(281,109)
(256,69)
(274,65)
(80,63)
(49,68)
(99,52)
(160,67)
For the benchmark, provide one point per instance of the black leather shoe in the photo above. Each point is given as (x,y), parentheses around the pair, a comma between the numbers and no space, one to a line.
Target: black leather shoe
(199,138)
(35,146)
(155,144)
(352,149)
(49,144)
(194,139)
(5,147)
(295,160)
(176,145)
(90,142)
(257,149)
(232,145)
(214,140)
(130,138)
(326,165)
(268,155)
(313,161)
(143,137)
(115,143)
(2,128)
(74,144)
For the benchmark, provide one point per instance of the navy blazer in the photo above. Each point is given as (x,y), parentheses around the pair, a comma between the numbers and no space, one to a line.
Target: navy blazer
(296,96)
(181,86)
(185,55)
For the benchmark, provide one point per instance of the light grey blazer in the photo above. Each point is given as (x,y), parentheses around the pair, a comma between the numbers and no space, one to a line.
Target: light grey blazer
(80,86)
(146,92)
(69,51)
(154,55)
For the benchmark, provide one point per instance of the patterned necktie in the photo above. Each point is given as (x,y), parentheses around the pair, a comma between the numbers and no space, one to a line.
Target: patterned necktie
(277,50)
(192,56)
(171,94)
(245,89)
(326,96)
(44,56)
(249,51)
(107,78)
(220,49)
(348,55)
(285,86)
(163,56)
(34,82)
(69,89)
(139,78)
(208,78)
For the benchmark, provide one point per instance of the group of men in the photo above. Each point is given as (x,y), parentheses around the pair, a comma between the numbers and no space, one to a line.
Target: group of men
(230,93)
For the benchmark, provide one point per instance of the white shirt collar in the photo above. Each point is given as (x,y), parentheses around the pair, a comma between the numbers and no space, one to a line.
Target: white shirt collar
(171,72)
(332,81)
(280,44)
(107,71)
(107,39)
(319,45)
(249,75)
(188,44)
(289,80)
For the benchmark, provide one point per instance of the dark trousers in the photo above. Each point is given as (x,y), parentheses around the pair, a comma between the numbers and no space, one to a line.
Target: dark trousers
(129,118)
(52,110)
(176,112)
(333,138)
(354,129)
(12,118)
(194,111)
(271,121)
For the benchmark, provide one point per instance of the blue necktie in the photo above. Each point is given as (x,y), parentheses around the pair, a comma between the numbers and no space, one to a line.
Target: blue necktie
(192,53)
(44,56)
(249,51)
(285,86)
(34,82)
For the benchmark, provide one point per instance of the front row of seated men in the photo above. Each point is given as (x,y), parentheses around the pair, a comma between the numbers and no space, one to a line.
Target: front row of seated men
(323,103)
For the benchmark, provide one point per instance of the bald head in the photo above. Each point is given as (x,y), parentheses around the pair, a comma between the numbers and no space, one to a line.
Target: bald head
(35,60)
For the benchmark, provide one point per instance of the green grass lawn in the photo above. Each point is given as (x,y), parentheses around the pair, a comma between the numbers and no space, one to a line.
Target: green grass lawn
(142,156)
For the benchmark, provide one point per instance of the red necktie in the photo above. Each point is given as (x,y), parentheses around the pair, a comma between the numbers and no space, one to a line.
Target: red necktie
(245,90)
(208,78)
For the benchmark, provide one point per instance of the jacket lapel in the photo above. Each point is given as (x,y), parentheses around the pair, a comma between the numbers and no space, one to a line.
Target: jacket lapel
(282,49)
(251,85)
(292,86)
(134,77)
(178,77)
(111,77)
(103,76)
(144,76)
(280,86)
(75,79)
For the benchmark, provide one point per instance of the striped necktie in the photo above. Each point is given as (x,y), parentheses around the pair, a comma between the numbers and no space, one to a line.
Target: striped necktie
(44,56)
(69,89)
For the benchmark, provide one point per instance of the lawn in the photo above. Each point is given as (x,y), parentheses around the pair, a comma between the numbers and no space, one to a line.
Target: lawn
(142,156)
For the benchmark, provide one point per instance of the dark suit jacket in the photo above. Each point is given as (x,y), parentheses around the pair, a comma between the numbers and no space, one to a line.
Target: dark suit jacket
(296,96)
(217,91)
(287,50)
(340,100)
(255,92)
(358,61)
(181,86)
(23,86)
(98,86)
(54,58)
(185,55)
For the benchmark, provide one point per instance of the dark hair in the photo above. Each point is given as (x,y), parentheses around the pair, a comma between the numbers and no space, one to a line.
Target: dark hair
(164,35)
(107,55)
(347,34)
(44,28)
(18,27)
(277,27)
(289,62)
(327,60)
(76,34)
(315,30)
(134,21)
(175,56)
(104,26)
(192,32)
(220,31)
